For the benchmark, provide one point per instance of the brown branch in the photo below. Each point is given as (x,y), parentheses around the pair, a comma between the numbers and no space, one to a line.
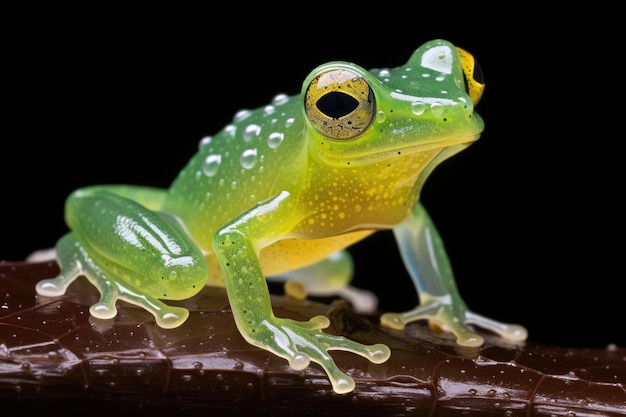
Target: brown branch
(52,353)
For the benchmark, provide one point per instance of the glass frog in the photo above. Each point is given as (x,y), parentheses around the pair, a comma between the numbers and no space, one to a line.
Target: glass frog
(289,187)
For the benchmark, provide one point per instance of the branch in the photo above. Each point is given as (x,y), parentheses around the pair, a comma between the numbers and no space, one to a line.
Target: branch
(51,350)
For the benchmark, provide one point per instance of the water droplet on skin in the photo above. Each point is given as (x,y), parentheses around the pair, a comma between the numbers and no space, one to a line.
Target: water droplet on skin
(204,141)
(418,107)
(275,139)
(248,158)
(230,130)
(211,164)
(381,116)
(289,121)
(269,109)
(241,114)
(251,131)
(436,109)
(280,99)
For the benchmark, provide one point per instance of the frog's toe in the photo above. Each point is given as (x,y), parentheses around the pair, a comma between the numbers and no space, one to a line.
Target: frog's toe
(512,332)
(171,317)
(466,338)
(318,323)
(299,361)
(457,326)
(363,301)
(515,332)
(295,289)
(343,384)
(393,321)
(340,381)
(50,287)
(378,353)
(103,310)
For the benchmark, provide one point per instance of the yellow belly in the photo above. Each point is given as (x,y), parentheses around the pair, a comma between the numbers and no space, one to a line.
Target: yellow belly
(289,254)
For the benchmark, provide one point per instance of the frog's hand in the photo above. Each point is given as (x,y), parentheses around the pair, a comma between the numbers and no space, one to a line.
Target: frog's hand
(128,253)
(426,260)
(302,342)
(299,342)
(329,277)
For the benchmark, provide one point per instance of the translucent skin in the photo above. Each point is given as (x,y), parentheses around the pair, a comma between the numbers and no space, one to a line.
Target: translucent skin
(282,190)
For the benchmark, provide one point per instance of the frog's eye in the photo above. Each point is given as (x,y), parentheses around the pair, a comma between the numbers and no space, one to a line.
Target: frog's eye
(340,104)
(473,74)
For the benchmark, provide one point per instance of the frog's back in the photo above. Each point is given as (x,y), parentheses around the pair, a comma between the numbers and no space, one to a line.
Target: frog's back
(250,160)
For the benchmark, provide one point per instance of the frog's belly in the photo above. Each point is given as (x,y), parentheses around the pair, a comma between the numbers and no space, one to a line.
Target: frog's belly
(289,254)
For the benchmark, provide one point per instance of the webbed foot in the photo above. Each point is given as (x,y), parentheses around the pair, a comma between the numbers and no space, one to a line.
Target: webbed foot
(301,343)
(454,318)
(74,262)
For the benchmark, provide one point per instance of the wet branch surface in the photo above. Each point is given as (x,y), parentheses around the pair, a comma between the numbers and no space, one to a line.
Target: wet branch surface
(54,355)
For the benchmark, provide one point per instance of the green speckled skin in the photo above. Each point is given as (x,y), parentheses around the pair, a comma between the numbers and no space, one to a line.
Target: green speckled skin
(285,188)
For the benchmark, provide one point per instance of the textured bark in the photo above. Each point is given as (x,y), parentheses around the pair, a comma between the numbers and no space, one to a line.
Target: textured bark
(53,354)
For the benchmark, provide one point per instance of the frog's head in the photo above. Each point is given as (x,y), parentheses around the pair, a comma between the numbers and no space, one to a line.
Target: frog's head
(358,117)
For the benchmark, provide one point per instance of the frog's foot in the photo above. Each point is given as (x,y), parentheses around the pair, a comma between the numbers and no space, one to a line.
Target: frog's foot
(363,301)
(75,262)
(301,343)
(166,316)
(454,319)
(328,278)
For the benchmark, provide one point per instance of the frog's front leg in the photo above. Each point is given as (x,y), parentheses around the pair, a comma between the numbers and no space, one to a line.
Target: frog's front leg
(127,252)
(426,260)
(237,246)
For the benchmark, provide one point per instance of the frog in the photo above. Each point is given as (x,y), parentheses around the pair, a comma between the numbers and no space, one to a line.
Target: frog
(285,190)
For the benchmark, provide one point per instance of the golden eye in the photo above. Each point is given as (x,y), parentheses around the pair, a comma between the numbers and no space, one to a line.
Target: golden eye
(473,74)
(340,104)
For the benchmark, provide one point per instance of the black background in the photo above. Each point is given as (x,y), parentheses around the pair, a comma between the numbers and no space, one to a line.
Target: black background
(529,213)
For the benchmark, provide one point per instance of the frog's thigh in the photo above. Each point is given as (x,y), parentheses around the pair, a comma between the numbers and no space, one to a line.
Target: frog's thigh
(129,253)
(328,277)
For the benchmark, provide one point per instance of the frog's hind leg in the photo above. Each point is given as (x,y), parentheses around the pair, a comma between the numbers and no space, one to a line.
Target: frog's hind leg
(128,252)
(328,277)
(74,262)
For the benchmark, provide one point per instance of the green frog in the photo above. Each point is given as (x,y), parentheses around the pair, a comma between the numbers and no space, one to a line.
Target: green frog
(286,189)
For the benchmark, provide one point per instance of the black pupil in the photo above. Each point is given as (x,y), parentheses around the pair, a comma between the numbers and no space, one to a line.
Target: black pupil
(478,73)
(336,104)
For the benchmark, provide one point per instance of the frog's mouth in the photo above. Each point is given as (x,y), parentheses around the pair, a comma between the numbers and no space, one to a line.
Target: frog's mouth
(444,147)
